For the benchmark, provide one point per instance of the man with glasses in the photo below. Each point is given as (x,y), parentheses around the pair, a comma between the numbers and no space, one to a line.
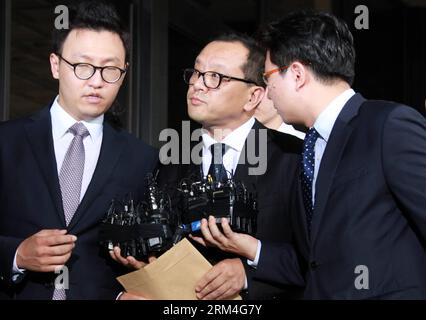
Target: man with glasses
(60,169)
(224,89)
(363,174)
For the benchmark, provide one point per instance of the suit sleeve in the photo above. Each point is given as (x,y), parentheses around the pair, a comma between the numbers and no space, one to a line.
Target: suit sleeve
(279,263)
(404,157)
(8,247)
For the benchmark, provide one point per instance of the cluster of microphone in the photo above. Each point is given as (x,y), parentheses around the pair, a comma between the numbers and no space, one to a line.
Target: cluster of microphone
(154,225)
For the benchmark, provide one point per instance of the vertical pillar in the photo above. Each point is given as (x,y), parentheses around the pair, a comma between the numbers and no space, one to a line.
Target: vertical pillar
(5,12)
(147,114)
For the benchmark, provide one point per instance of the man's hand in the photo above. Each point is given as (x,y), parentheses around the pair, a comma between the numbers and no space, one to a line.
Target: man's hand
(130,261)
(229,241)
(222,282)
(45,251)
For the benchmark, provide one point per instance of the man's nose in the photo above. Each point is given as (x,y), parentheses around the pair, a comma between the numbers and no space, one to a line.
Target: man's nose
(96,80)
(199,83)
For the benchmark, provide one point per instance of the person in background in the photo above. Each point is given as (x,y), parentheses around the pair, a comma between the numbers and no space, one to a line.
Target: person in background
(270,118)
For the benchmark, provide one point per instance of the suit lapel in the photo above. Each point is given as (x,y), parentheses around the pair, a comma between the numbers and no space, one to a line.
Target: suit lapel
(301,223)
(242,170)
(112,148)
(193,170)
(330,161)
(39,135)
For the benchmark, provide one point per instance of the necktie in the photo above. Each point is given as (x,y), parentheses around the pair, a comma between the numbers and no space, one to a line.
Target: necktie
(308,167)
(217,169)
(70,178)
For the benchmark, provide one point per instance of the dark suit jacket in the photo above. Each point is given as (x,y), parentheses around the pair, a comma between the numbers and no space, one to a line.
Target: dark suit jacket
(276,190)
(369,222)
(30,200)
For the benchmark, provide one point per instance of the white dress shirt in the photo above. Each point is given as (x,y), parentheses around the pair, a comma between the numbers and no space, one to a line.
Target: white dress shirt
(289,129)
(324,125)
(61,122)
(235,142)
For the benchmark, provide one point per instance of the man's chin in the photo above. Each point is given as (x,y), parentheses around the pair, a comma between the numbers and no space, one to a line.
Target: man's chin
(195,116)
(91,112)
(288,120)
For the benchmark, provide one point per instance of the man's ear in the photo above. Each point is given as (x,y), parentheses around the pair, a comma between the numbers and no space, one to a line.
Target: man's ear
(299,74)
(126,67)
(54,65)
(256,95)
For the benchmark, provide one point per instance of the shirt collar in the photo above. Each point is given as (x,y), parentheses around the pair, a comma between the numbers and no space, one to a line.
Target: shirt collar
(62,121)
(325,121)
(236,139)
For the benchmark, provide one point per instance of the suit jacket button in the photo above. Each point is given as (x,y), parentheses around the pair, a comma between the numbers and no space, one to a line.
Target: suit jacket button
(314,265)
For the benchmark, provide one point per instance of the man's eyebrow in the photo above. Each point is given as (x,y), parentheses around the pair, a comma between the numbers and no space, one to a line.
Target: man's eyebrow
(86,57)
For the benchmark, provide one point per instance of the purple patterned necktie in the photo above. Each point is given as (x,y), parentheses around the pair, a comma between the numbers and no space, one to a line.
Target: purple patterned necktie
(70,178)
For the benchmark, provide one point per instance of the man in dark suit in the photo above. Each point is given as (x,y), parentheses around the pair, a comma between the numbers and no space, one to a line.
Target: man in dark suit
(363,183)
(273,224)
(60,169)
(225,87)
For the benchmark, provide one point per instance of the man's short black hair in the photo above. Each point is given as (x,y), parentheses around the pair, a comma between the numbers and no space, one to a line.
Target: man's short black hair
(97,15)
(320,40)
(253,68)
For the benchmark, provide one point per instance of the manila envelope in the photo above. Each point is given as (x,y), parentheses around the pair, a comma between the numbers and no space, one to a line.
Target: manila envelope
(172,276)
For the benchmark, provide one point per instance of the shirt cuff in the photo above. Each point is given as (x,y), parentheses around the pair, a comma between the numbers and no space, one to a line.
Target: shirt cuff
(255,262)
(245,283)
(17,273)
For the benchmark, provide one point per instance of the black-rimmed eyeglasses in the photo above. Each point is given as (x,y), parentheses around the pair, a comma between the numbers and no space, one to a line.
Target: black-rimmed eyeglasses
(85,71)
(211,79)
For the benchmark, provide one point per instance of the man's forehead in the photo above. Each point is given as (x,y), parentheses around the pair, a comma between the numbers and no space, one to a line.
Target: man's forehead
(223,55)
(86,44)
(222,48)
(214,61)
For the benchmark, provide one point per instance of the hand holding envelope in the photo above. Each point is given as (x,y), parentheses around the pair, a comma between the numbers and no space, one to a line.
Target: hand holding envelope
(172,276)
